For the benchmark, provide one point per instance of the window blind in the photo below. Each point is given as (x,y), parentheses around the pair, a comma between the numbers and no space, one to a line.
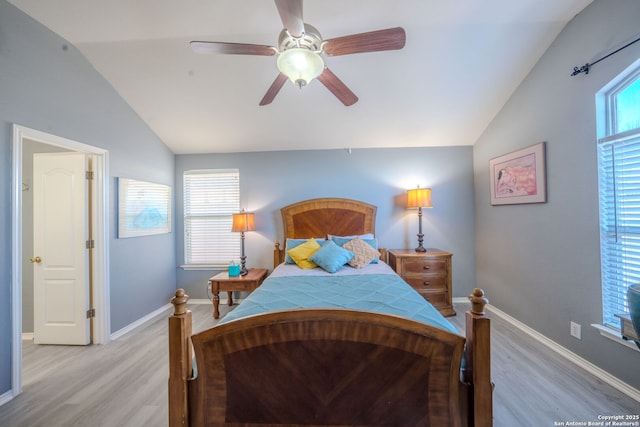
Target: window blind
(211,197)
(619,185)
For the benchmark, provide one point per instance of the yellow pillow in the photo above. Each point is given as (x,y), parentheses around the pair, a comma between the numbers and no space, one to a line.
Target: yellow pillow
(301,253)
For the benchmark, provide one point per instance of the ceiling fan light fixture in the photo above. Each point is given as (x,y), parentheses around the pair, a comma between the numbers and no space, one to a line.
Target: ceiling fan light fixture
(300,65)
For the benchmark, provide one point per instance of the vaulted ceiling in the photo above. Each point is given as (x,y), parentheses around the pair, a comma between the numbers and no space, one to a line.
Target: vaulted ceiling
(461,62)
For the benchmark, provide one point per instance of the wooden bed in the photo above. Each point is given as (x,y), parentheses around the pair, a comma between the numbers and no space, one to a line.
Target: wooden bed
(329,367)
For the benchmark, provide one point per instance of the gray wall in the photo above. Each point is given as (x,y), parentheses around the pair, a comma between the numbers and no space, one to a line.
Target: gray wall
(46,84)
(541,263)
(271,180)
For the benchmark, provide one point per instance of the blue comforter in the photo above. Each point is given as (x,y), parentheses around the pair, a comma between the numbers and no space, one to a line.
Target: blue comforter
(383,293)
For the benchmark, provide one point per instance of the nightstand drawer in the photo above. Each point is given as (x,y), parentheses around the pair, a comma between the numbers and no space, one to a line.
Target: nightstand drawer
(424,266)
(437,299)
(239,285)
(435,283)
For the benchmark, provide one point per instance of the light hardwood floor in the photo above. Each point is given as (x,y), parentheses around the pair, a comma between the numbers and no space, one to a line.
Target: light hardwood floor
(124,383)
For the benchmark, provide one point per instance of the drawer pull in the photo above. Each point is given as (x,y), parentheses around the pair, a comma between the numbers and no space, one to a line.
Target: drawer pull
(426,267)
(426,283)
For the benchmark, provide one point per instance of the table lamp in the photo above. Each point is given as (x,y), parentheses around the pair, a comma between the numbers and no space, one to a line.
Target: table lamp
(419,198)
(242,222)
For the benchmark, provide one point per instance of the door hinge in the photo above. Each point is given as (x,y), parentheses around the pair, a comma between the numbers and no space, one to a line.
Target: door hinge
(91,313)
(90,244)
(89,175)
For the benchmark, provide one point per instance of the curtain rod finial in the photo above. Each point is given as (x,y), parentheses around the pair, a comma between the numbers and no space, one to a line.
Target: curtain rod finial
(583,69)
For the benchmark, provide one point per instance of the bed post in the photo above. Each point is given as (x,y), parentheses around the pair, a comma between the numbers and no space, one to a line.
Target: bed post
(278,255)
(478,357)
(179,359)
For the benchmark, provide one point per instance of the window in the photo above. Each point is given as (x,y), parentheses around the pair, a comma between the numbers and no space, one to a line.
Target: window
(211,197)
(619,189)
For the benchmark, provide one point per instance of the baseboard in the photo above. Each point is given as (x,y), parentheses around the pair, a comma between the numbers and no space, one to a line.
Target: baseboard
(204,301)
(28,336)
(6,397)
(569,355)
(119,333)
(130,327)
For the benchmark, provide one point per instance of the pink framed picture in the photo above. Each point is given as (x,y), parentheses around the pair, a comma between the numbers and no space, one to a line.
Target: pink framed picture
(519,177)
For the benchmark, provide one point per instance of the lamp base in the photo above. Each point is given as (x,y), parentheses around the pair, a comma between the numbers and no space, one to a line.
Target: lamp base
(420,248)
(243,257)
(243,267)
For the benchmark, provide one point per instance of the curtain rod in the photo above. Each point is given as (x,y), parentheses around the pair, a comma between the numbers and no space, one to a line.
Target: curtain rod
(585,67)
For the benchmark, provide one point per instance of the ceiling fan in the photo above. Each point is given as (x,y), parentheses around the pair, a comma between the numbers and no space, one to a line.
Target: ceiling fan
(300,49)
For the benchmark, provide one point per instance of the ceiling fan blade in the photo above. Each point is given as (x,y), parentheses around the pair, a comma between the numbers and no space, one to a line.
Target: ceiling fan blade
(232,48)
(337,87)
(373,41)
(291,15)
(274,89)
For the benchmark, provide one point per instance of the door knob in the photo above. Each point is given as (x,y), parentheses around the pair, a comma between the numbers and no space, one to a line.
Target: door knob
(36,259)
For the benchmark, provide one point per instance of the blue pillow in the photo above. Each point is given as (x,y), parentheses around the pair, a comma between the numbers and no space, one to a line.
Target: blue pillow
(331,257)
(292,243)
(340,241)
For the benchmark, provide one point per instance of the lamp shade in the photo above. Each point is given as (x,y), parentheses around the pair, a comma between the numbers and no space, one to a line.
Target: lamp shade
(300,65)
(243,221)
(419,198)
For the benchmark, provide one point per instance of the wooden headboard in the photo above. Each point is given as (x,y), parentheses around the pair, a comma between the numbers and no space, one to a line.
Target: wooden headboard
(320,217)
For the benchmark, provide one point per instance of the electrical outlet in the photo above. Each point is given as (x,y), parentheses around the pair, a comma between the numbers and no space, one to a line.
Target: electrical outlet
(576,330)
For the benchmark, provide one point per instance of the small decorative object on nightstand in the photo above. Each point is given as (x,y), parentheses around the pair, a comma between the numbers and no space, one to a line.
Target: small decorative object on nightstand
(427,272)
(222,282)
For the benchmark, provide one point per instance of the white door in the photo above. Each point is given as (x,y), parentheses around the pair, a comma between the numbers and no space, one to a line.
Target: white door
(60,259)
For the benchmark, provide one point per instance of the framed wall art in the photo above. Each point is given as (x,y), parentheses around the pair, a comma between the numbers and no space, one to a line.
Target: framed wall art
(144,208)
(519,177)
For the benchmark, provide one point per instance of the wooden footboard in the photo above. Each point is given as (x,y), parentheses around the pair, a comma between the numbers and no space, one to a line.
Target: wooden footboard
(329,367)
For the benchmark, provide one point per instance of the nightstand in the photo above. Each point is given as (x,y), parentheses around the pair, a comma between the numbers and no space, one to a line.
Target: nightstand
(626,328)
(222,282)
(429,273)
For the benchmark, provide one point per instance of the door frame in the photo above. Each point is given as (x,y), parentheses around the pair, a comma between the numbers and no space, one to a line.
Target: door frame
(100,205)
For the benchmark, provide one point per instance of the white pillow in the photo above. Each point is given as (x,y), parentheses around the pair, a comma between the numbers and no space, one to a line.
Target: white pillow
(367,236)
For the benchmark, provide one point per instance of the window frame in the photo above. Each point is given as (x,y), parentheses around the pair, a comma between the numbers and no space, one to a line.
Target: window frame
(610,188)
(621,84)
